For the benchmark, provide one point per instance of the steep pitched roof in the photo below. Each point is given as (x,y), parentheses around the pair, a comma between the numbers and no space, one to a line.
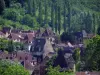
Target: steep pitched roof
(48,49)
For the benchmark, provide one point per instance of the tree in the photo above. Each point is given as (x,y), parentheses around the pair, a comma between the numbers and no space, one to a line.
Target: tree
(77,59)
(94,23)
(59,19)
(92,55)
(46,12)
(40,13)
(7,3)
(88,23)
(64,24)
(66,37)
(98,30)
(28,20)
(56,71)
(52,14)
(12,14)
(2,6)
(30,6)
(8,67)
(10,46)
(56,16)
(34,8)
(21,2)
(69,15)
(3,44)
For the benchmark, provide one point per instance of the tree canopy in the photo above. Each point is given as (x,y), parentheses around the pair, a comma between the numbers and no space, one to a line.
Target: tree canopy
(60,15)
(92,55)
(8,67)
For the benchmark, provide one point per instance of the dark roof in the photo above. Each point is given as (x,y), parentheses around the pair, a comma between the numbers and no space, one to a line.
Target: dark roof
(6,29)
(45,33)
(60,60)
(39,42)
(78,34)
(1,33)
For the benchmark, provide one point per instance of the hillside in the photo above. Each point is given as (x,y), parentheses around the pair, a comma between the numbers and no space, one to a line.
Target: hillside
(61,15)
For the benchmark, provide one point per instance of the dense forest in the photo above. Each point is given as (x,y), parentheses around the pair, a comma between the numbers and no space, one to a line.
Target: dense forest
(60,15)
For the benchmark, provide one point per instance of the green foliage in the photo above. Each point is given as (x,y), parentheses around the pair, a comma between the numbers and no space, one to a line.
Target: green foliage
(51,61)
(3,44)
(9,23)
(77,55)
(8,67)
(12,14)
(7,3)
(92,55)
(2,6)
(56,71)
(61,15)
(9,45)
(66,37)
(77,59)
(98,30)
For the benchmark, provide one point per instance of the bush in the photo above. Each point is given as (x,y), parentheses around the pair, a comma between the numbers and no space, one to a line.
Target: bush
(56,71)
(92,55)
(30,21)
(12,14)
(8,67)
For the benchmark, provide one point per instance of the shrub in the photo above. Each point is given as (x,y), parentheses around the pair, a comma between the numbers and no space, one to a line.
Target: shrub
(8,67)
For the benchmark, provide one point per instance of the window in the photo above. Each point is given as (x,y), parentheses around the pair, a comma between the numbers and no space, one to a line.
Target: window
(6,57)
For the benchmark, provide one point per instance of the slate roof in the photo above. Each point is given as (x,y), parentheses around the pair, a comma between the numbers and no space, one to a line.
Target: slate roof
(64,60)
(78,34)
(39,42)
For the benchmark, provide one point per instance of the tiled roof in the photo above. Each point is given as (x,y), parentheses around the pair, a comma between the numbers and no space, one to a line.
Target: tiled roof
(90,73)
(14,36)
